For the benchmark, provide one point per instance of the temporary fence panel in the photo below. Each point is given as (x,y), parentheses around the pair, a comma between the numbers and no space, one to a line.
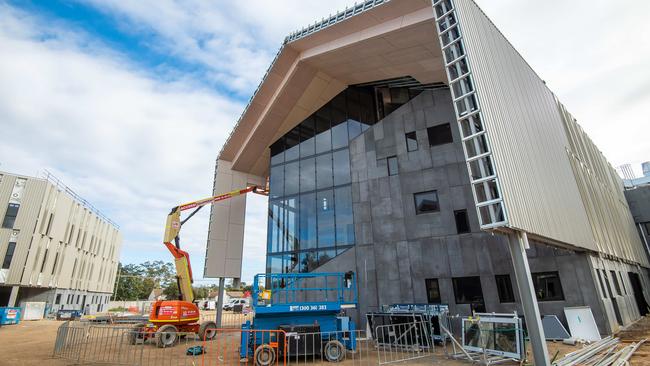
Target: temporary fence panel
(408,313)
(494,335)
(403,342)
(235,346)
(118,345)
(325,348)
(34,310)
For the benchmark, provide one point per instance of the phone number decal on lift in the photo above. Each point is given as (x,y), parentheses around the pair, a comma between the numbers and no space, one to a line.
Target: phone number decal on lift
(307,307)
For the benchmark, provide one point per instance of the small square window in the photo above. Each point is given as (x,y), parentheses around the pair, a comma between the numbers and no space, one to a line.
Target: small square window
(392,165)
(426,202)
(433,291)
(440,135)
(467,290)
(462,222)
(411,141)
(504,288)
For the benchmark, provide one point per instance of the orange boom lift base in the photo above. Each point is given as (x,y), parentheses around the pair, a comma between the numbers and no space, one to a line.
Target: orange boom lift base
(168,317)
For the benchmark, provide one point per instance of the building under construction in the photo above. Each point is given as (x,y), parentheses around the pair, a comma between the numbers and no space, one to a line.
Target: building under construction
(413,145)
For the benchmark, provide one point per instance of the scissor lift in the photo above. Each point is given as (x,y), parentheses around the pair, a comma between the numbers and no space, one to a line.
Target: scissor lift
(306,308)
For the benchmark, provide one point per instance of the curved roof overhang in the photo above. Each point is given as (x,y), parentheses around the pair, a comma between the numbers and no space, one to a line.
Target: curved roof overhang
(395,39)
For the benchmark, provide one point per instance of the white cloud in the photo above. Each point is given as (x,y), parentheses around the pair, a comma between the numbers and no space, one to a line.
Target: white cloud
(235,41)
(132,145)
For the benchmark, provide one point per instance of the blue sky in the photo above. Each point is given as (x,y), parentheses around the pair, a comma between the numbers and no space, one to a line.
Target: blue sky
(129,102)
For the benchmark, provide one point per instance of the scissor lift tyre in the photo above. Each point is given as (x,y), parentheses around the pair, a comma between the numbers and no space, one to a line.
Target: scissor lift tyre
(334,351)
(264,355)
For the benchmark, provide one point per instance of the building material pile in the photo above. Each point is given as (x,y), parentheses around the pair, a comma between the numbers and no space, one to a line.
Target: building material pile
(601,353)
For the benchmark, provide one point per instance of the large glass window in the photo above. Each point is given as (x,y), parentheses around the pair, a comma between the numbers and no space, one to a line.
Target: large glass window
(341,161)
(291,185)
(308,233)
(325,209)
(310,206)
(307,175)
(324,174)
(344,220)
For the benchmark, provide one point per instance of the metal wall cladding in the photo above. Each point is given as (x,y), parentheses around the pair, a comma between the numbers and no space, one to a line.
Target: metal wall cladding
(601,190)
(224,250)
(527,136)
(61,243)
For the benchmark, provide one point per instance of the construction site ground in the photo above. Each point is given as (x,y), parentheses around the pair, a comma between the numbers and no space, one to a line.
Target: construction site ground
(31,343)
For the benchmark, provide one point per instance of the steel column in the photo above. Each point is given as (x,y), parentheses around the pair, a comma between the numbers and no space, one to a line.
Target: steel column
(222,285)
(518,242)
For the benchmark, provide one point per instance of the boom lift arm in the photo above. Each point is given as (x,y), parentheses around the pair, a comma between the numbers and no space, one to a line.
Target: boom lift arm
(172,231)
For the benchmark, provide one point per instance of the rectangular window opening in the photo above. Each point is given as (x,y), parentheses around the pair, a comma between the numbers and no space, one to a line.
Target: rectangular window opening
(504,288)
(426,202)
(440,135)
(411,141)
(467,290)
(548,286)
(10,216)
(462,221)
(391,161)
(433,291)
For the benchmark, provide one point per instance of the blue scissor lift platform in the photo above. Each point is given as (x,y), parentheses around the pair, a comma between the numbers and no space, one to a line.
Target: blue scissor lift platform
(291,304)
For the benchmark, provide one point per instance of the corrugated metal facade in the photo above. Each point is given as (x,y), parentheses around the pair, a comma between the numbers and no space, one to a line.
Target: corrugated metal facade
(61,243)
(601,190)
(553,181)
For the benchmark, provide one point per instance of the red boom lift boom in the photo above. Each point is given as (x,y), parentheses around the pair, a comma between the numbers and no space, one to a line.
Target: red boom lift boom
(168,317)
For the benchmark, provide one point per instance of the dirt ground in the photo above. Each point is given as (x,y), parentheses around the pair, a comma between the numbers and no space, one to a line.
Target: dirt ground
(32,342)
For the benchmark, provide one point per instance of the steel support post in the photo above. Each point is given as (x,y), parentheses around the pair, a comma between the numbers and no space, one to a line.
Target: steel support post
(518,242)
(13,296)
(222,285)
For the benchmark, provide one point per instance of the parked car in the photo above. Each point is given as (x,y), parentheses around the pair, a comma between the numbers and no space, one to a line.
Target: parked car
(234,302)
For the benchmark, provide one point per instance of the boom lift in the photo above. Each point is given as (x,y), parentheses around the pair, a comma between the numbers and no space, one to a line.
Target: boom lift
(168,317)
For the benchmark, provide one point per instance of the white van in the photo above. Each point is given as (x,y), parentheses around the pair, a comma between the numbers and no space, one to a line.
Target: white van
(231,304)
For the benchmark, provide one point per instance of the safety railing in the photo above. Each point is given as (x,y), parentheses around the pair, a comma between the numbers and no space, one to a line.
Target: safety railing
(397,343)
(245,346)
(324,348)
(89,344)
(118,345)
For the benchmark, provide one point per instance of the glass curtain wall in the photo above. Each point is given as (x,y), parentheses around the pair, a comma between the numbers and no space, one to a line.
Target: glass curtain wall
(310,200)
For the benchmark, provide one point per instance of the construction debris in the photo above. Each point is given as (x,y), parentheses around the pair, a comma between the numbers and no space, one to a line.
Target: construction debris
(601,353)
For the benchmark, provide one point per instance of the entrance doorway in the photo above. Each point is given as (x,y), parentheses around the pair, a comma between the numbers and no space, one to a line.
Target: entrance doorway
(638,293)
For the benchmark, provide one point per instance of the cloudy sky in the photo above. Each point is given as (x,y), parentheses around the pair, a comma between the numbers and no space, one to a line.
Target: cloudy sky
(128,102)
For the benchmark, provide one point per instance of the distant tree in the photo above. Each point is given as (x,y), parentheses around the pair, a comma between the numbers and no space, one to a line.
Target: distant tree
(136,281)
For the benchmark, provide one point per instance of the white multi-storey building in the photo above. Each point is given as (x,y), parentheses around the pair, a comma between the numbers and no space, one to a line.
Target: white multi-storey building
(55,247)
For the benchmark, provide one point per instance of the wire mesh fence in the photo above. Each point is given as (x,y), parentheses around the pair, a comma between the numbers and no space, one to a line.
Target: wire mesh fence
(93,344)
(397,343)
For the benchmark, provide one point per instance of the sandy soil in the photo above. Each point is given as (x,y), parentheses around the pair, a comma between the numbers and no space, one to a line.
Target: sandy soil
(32,343)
